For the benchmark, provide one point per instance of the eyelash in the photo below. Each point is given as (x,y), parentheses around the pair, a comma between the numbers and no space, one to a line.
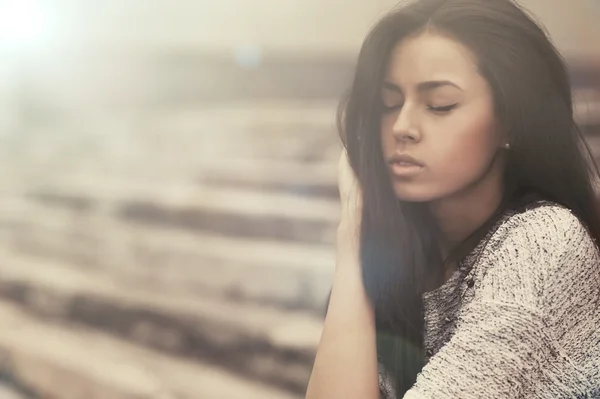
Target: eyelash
(440,110)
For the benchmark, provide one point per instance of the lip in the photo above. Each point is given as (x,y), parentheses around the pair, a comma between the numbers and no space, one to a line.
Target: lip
(405,158)
(403,165)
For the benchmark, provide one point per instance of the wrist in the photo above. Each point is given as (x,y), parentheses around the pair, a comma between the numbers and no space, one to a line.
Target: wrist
(348,248)
(348,230)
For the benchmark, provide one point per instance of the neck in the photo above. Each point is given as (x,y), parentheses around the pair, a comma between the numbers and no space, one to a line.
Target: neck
(460,215)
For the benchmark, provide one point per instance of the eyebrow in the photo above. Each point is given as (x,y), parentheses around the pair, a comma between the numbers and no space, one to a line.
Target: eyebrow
(423,86)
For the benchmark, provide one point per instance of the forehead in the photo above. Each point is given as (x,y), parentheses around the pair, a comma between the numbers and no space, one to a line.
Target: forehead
(430,56)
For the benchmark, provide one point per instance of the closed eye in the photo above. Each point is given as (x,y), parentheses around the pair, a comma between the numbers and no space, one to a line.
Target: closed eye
(444,109)
(391,108)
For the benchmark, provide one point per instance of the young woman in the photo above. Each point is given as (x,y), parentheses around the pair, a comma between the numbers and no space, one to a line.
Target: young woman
(467,261)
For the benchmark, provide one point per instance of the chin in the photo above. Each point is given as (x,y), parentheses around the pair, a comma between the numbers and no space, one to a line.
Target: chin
(406,192)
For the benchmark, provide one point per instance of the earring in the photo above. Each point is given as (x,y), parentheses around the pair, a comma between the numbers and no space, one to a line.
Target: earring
(507,146)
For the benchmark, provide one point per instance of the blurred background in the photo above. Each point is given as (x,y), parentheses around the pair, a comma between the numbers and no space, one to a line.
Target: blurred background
(168,189)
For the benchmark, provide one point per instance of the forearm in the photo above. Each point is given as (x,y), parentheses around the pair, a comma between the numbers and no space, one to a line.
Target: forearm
(346,362)
(499,350)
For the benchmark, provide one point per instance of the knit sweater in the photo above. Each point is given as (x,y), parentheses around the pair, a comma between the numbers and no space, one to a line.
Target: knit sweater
(520,318)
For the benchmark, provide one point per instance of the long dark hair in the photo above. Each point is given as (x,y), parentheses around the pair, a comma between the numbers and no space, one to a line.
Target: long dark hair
(548,155)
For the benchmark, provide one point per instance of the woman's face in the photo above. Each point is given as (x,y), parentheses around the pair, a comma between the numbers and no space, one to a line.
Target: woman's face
(438,110)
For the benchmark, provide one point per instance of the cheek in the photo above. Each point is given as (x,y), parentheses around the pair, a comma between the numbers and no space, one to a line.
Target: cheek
(388,143)
(468,143)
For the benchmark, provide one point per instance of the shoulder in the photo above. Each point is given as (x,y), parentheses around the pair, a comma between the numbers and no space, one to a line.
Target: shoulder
(548,227)
(534,250)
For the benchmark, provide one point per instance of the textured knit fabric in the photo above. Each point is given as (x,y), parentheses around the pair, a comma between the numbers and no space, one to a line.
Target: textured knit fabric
(520,318)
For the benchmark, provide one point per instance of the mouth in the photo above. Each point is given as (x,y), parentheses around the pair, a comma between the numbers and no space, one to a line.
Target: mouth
(404,165)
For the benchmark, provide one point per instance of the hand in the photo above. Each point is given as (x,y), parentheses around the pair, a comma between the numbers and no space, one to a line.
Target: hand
(351,201)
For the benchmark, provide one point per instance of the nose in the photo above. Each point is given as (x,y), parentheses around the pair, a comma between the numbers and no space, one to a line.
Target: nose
(405,127)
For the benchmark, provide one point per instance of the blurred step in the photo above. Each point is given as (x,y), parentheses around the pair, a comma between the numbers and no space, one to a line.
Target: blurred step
(301,179)
(69,362)
(101,190)
(275,273)
(276,347)
(235,212)
(240,114)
